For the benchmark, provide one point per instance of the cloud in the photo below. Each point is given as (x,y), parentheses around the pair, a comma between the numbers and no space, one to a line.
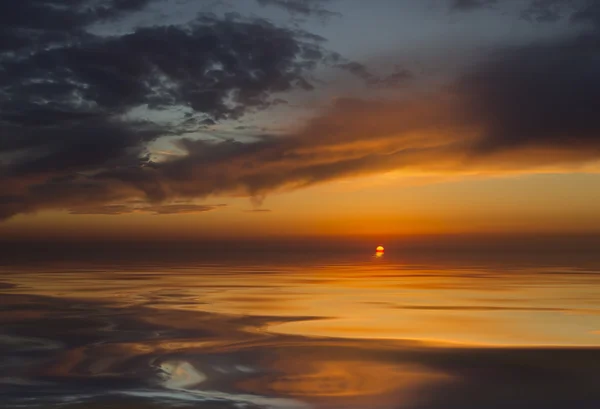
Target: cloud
(468,5)
(545,10)
(542,11)
(537,95)
(119,209)
(554,10)
(302,7)
(158,67)
(39,23)
(589,12)
(397,78)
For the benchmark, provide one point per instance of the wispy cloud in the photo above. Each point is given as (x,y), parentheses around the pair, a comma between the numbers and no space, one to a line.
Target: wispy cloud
(467,5)
(119,209)
(303,7)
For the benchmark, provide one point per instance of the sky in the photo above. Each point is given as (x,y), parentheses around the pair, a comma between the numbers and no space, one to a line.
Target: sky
(198,119)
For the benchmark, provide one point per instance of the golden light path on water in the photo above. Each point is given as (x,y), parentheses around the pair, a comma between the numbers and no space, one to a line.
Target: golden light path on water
(376,333)
(528,306)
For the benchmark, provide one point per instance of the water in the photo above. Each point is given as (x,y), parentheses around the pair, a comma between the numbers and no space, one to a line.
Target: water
(301,330)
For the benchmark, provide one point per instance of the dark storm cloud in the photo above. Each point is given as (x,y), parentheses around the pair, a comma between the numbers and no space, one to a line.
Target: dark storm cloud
(73,145)
(160,67)
(540,94)
(67,96)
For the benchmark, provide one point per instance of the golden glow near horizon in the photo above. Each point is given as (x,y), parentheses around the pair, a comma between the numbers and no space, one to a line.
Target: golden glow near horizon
(510,204)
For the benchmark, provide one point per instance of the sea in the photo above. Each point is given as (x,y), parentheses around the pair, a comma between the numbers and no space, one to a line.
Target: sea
(299,326)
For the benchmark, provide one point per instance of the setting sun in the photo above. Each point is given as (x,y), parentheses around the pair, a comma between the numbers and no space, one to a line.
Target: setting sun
(380,249)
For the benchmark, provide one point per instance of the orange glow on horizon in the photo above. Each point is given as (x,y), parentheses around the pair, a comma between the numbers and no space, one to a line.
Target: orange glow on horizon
(474,206)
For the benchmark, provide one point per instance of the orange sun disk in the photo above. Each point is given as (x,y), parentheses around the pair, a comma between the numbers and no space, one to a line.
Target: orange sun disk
(380,249)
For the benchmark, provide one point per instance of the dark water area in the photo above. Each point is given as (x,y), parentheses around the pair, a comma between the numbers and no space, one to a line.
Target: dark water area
(306,327)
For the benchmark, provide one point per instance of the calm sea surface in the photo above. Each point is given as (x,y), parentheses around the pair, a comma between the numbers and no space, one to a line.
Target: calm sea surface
(302,330)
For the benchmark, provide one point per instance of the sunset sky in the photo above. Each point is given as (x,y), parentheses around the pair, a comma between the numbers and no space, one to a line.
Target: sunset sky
(250,118)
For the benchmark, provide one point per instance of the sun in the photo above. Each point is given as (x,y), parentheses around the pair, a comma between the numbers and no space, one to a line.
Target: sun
(380,249)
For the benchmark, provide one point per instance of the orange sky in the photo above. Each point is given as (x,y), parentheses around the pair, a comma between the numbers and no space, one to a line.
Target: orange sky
(386,204)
